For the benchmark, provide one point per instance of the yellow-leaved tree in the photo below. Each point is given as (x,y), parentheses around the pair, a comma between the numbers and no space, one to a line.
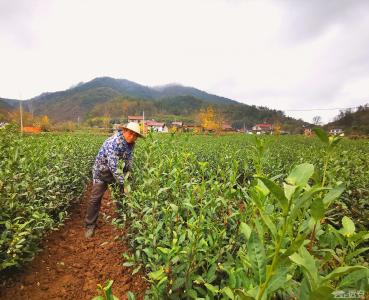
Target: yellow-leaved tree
(210,120)
(45,123)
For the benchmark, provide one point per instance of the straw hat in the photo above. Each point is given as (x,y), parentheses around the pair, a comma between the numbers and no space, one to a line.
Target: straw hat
(133,126)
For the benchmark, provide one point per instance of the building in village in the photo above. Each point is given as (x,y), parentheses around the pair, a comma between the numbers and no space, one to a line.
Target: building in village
(155,126)
(136,119)
(337,131)
(227,127)
(176,126)
(262,128)
(32,129)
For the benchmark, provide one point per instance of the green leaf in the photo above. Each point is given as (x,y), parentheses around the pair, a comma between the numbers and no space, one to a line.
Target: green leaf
(322,135)
(351,279)
(256,254)
(289,190)
(268,222)
(243,296)
(161,190)
(333,195)
(262,188)
(136,270)
(157,275)
(211,276)
(164,279)
(245,230)
(341,271)
(227,291)
(305,290)
(317,209)
(304,198)
(348,228)
(174,207)
(178,283)
(356,253)
(277,192)
(307,262)
(322,292)
(300,174)
(163,250)
(213,289)
(131,296)
(295,245)
(279,279)
(192,293)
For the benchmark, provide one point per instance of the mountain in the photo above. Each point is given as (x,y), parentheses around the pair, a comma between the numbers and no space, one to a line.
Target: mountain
(6,106)
(117,98)
(173,90)
(10,103)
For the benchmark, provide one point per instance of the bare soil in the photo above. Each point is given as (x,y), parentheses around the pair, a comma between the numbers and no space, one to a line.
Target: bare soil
(70,266)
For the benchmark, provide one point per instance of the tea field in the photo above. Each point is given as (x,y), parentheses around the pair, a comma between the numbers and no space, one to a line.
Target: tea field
(40,177)
(231,217)
(209,217)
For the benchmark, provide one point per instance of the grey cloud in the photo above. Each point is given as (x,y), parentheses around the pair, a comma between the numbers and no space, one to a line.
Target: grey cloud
(15,18)
(307,19)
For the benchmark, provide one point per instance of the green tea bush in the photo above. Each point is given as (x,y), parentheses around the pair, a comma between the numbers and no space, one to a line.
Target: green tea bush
(234,218)
(40,176)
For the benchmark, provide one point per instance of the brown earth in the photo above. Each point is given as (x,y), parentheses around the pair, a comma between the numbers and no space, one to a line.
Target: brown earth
(70,266)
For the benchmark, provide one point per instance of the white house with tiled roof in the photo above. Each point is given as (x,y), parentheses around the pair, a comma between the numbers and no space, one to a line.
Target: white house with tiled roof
(262,128)
(156,126)
(136,119)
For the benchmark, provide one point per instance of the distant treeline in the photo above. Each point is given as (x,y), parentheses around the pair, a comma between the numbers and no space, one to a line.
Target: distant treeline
(353,121)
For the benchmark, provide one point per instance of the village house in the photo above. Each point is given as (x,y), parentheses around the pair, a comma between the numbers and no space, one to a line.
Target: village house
(155,126)
(192,128)
(136,119)
(337,131)
(262,128)
(226,127)
(32,129)
(176,124)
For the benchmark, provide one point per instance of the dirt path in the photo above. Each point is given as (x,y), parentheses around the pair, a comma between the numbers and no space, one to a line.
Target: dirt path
(70,267)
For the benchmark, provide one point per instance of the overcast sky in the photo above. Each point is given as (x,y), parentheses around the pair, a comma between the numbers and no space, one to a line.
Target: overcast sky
(283,54)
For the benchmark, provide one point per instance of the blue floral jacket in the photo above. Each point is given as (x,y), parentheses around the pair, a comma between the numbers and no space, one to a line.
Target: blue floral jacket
(114,149)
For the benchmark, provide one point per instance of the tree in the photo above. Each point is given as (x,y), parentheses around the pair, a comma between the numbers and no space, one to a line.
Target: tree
(209,120)
(277,128)
(317,120)
(45,123)
(15,117)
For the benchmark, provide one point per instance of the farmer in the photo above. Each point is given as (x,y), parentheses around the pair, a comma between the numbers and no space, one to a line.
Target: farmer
(105,170)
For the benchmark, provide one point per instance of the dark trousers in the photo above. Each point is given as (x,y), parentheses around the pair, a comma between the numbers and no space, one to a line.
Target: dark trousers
(97,193)
(93,206)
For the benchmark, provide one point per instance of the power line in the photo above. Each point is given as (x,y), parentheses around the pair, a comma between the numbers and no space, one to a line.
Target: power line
(313,109)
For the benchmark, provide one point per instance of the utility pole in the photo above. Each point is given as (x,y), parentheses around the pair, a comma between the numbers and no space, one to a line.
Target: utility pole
(143,122)
(21,115)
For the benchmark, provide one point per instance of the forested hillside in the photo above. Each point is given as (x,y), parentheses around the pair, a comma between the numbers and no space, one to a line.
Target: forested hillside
(354,122)
(111,98)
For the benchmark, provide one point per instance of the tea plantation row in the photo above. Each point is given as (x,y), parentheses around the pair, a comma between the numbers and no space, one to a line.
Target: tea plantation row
(237,218)
(40,176)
